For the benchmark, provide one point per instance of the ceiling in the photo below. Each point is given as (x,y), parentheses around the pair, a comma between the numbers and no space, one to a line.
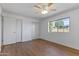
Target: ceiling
(26,9)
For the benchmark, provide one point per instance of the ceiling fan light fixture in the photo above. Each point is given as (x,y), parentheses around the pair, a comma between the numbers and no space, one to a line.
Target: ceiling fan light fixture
(44,12)
(44,8)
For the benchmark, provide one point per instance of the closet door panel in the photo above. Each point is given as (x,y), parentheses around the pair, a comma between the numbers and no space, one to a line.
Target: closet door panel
(0,27)
(26,30)
(9,34)
(19,30)
(35,30)
(0,32)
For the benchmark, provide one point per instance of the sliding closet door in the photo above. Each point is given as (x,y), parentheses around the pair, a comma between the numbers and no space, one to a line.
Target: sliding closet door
(9,33)
(26,30)
(35,30)
(18,30)
(0,32)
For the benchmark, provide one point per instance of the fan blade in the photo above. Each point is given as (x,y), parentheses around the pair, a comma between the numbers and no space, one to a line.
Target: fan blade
(50,4)
(37,9)
(37,6)
(52,7)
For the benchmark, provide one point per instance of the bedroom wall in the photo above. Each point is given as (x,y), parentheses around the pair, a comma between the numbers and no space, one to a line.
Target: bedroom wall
(70,39)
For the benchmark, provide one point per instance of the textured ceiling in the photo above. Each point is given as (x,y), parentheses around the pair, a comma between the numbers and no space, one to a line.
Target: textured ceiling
(26,9)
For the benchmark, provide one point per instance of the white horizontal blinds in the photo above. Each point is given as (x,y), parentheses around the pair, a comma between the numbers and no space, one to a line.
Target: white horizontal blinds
(66,24)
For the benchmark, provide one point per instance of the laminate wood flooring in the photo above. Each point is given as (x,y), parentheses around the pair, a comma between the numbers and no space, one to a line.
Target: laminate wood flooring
(37,47)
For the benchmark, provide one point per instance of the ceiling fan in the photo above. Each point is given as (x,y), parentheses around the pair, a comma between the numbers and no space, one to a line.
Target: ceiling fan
(44,8)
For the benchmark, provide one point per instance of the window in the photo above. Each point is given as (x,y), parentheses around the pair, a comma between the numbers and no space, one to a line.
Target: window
(61,25)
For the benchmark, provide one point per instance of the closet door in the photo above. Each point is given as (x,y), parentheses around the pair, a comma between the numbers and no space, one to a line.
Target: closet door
(35,30)
(9,32)
(26,30)
(0,27)
(19,30)
(0,32)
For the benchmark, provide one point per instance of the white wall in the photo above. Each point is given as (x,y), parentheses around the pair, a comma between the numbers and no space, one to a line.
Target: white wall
(70,39)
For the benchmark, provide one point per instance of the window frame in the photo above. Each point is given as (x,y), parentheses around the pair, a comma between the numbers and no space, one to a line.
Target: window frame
(58,20)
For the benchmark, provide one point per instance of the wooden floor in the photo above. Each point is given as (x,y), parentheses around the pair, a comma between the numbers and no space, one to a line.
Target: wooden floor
(36,48)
